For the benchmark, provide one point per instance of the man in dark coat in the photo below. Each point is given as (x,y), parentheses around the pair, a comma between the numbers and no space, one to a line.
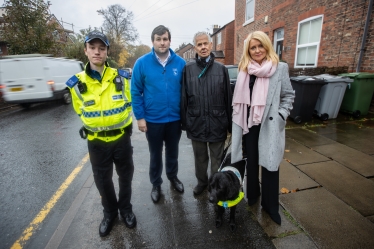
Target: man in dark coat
(206,108)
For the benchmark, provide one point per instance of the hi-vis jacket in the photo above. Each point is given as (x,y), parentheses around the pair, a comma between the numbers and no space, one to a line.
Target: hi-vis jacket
(102,107)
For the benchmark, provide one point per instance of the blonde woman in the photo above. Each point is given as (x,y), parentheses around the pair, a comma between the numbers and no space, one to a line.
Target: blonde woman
(262,101)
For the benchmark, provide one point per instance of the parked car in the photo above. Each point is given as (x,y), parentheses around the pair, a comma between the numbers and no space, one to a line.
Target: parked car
(33,78)
(233,74)
(129,70)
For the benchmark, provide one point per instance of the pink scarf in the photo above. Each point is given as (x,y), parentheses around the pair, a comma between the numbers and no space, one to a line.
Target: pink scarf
(241,99)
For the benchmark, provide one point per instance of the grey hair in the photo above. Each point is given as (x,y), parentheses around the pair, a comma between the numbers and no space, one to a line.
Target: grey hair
(201,33)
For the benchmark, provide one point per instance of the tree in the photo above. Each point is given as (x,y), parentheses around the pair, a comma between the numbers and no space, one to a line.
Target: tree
(27,28)
(123,58)
(75,50)
(181,46)
(118,24)
(135,53)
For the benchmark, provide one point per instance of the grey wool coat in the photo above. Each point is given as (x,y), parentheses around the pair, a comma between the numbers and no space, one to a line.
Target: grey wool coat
(271,141)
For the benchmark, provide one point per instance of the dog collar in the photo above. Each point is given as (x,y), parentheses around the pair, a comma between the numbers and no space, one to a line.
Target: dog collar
(235,170)
(227,204)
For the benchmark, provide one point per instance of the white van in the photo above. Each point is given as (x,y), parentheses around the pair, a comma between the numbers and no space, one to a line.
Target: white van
(34,78)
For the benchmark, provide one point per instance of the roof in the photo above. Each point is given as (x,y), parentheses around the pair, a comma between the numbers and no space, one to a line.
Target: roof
(218,54)
(218,30)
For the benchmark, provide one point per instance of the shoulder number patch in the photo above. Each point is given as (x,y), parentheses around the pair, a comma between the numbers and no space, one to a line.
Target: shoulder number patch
(123,73)
(72,81)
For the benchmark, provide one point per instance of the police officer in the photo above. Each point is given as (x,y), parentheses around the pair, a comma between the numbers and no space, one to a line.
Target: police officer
(101,98)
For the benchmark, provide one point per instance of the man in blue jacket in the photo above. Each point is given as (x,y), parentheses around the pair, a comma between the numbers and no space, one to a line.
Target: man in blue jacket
(156,95)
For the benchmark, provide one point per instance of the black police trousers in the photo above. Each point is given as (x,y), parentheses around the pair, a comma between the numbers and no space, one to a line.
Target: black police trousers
(102,156)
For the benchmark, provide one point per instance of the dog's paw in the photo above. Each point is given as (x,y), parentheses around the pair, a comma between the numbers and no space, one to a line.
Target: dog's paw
(233,227)
(218,223)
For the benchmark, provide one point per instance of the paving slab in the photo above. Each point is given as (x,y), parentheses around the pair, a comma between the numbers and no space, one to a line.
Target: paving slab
(298,154)
(364,144)
(272,229)
(291,178)
(296,241)
(308,137)
(354,189)
(355,136)
(328,220)
(323,129)
(351,158)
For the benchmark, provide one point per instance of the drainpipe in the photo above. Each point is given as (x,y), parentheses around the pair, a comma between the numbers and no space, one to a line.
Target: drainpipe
(364,36)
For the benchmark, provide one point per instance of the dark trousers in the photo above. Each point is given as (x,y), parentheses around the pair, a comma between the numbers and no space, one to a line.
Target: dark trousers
(270,179)
(102,156)
(200,151)
(157,134)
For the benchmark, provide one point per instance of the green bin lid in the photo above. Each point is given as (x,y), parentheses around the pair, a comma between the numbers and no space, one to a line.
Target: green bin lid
(359,75)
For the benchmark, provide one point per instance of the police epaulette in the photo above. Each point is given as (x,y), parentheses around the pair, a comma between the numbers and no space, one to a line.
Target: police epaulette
(123,73)
(72,81)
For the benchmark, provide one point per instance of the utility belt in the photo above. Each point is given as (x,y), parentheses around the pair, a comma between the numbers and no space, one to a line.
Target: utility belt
(83,132)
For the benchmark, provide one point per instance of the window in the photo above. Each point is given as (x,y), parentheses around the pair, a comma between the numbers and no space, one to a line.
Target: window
(219,37)
(278,41)
(249,11)
(308,41)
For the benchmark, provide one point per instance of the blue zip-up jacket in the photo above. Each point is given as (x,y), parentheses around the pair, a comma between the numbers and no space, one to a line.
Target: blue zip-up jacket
(155,90)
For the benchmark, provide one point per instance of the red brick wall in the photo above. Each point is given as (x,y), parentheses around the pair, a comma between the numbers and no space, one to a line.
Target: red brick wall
(342,29)
(227,43)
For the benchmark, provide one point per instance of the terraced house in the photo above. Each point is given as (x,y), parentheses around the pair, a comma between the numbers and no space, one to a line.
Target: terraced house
(311,34)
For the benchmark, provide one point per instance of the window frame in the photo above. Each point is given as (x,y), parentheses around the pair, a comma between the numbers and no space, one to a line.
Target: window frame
(308,44)
(219,38)
(245,13)
(276,39)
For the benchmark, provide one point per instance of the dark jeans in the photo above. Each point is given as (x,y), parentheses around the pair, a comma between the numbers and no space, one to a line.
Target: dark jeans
(200,150)
(157,134)
(102,156)
(270,179)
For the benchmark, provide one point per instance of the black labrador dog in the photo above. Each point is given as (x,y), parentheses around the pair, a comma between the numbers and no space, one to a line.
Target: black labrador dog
(225,185)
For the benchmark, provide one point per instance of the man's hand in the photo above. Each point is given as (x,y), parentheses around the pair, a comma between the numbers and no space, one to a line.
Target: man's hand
(142,125)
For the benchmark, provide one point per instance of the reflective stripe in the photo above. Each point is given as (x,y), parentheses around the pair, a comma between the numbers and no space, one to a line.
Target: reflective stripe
(123,91)
(78,92)
(112,127)
(115,111)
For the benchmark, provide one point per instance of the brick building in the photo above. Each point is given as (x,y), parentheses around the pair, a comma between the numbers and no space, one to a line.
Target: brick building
(223,39)
(181,51)
(310,33)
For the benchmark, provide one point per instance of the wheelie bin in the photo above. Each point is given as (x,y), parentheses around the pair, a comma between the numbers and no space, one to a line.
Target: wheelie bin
(330,96)
(307,89)
(358,95)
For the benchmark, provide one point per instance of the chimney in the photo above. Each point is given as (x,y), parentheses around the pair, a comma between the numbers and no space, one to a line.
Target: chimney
(215,28)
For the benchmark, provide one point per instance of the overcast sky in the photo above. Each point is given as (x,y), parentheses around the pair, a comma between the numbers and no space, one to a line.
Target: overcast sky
(183,17)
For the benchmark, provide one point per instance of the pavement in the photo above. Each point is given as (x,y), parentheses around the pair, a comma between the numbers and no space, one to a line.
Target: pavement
(326,199)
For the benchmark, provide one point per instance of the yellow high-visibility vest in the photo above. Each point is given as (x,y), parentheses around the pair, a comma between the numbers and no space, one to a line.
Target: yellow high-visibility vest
(102,107)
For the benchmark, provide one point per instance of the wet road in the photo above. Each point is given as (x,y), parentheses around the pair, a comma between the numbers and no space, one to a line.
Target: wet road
(38,151)
(40,148)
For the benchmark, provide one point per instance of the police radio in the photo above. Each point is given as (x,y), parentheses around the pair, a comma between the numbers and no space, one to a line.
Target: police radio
(82,87)
(118,82)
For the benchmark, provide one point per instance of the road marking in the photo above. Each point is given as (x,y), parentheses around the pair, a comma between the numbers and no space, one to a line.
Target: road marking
(28,232)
